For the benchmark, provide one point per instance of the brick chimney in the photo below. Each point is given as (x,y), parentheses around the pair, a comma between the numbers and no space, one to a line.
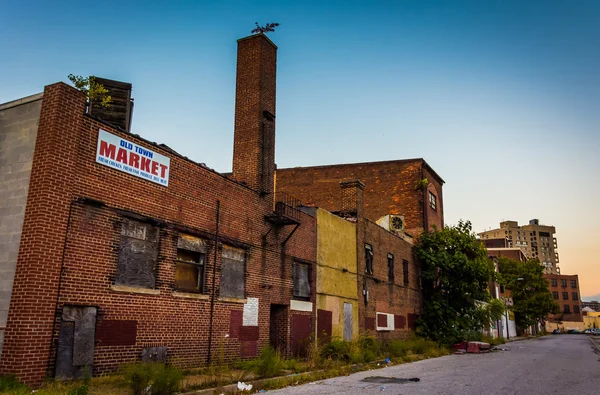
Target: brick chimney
(353,197)
(254,131)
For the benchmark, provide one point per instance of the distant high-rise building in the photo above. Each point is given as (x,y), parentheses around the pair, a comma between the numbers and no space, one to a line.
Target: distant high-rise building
(535,240)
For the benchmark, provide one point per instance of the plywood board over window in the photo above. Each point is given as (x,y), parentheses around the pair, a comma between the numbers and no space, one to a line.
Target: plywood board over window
(138,250)
(233,273)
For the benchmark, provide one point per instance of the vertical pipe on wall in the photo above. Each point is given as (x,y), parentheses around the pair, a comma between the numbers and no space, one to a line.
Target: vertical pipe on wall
(214,284)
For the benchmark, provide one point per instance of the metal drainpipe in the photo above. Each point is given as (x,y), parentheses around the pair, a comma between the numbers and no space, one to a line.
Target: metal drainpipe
(425,224)
(214,273)
(60,280)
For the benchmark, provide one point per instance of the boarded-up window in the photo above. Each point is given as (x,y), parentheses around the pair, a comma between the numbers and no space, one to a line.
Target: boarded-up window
(233,273)
(399,321)
(189,266)
(138,250)
(301,280)
(368,259)
(405,271)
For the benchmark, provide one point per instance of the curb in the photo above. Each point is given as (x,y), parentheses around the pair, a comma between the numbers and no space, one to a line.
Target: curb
(233,388)
(595,344)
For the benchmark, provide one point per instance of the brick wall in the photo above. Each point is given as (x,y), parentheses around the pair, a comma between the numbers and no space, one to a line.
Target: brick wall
(385,296)
(70,245)
(570,302)
(389,189)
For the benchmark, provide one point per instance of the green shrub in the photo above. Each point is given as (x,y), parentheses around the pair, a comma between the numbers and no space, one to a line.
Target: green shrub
(269,362)
(397,348)
(10,385)
(337,350)
(157,378)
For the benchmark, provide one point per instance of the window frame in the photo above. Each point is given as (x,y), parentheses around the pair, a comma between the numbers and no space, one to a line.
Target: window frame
(563,283)
(200,266)
(555,295)
(554,282)
(576,309)
(574,296)
(565,296)
(391,275)
(566,309)
(573,283)
(295,288)
(368,259)
(432,201)
(405,272)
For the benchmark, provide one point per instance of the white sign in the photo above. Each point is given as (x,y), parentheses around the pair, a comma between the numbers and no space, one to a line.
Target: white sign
(128,157)
(250,314)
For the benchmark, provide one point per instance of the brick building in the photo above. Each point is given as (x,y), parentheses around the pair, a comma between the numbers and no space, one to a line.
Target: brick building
(565,292)
(409,189)
(367,276)
(122,249)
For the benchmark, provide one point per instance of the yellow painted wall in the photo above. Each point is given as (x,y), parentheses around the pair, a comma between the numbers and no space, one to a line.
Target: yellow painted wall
(592,320)
(336,269)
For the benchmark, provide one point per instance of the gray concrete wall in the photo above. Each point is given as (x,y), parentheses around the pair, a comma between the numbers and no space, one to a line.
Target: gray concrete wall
(18,132)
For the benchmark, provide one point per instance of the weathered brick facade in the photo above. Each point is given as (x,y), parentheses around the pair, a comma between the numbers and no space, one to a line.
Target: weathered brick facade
(72,246)
(391,187)
(379,293)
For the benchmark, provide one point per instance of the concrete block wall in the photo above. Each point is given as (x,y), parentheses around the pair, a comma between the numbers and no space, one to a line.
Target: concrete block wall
(18,132)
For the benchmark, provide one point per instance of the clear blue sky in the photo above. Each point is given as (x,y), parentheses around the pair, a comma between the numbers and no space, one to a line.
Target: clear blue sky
(502,98)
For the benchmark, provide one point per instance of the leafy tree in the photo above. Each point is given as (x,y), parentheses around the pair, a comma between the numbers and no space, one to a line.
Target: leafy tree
(455,276)
(92,89)
(532,301)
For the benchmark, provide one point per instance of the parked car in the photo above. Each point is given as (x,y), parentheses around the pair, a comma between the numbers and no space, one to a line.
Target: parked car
(573,331)
(556,332)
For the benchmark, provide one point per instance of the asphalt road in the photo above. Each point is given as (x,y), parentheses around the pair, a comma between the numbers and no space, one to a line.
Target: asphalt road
(556,364)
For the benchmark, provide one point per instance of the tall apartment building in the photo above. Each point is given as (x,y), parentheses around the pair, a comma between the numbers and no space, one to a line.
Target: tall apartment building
(536,241)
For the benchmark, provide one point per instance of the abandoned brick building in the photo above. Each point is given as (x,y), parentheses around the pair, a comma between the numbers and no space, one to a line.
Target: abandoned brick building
(390,203)
(122,249)
(116,249)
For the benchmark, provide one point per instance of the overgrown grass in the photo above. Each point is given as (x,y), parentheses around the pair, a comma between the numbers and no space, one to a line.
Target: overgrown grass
(154,378)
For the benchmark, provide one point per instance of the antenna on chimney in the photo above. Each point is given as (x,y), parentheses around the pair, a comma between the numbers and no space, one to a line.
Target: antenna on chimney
(269,27)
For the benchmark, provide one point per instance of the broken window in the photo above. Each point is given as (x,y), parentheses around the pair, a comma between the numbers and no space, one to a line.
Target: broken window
(405,271)
(190,264)
(138,250)
(391,267)
(233,273)
(368,259)
(432,201)
(301,280)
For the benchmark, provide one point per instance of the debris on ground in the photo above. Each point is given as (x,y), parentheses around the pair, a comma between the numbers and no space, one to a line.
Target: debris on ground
(243,386)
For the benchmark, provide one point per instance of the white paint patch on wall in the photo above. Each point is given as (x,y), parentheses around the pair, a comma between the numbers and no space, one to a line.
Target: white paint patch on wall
(299,305)
(250,316)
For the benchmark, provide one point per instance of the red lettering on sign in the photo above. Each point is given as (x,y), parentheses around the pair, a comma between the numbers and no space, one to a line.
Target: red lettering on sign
(163,170)
(134,160)
(155,168)
(107,149)
(145,166)
(122,156)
